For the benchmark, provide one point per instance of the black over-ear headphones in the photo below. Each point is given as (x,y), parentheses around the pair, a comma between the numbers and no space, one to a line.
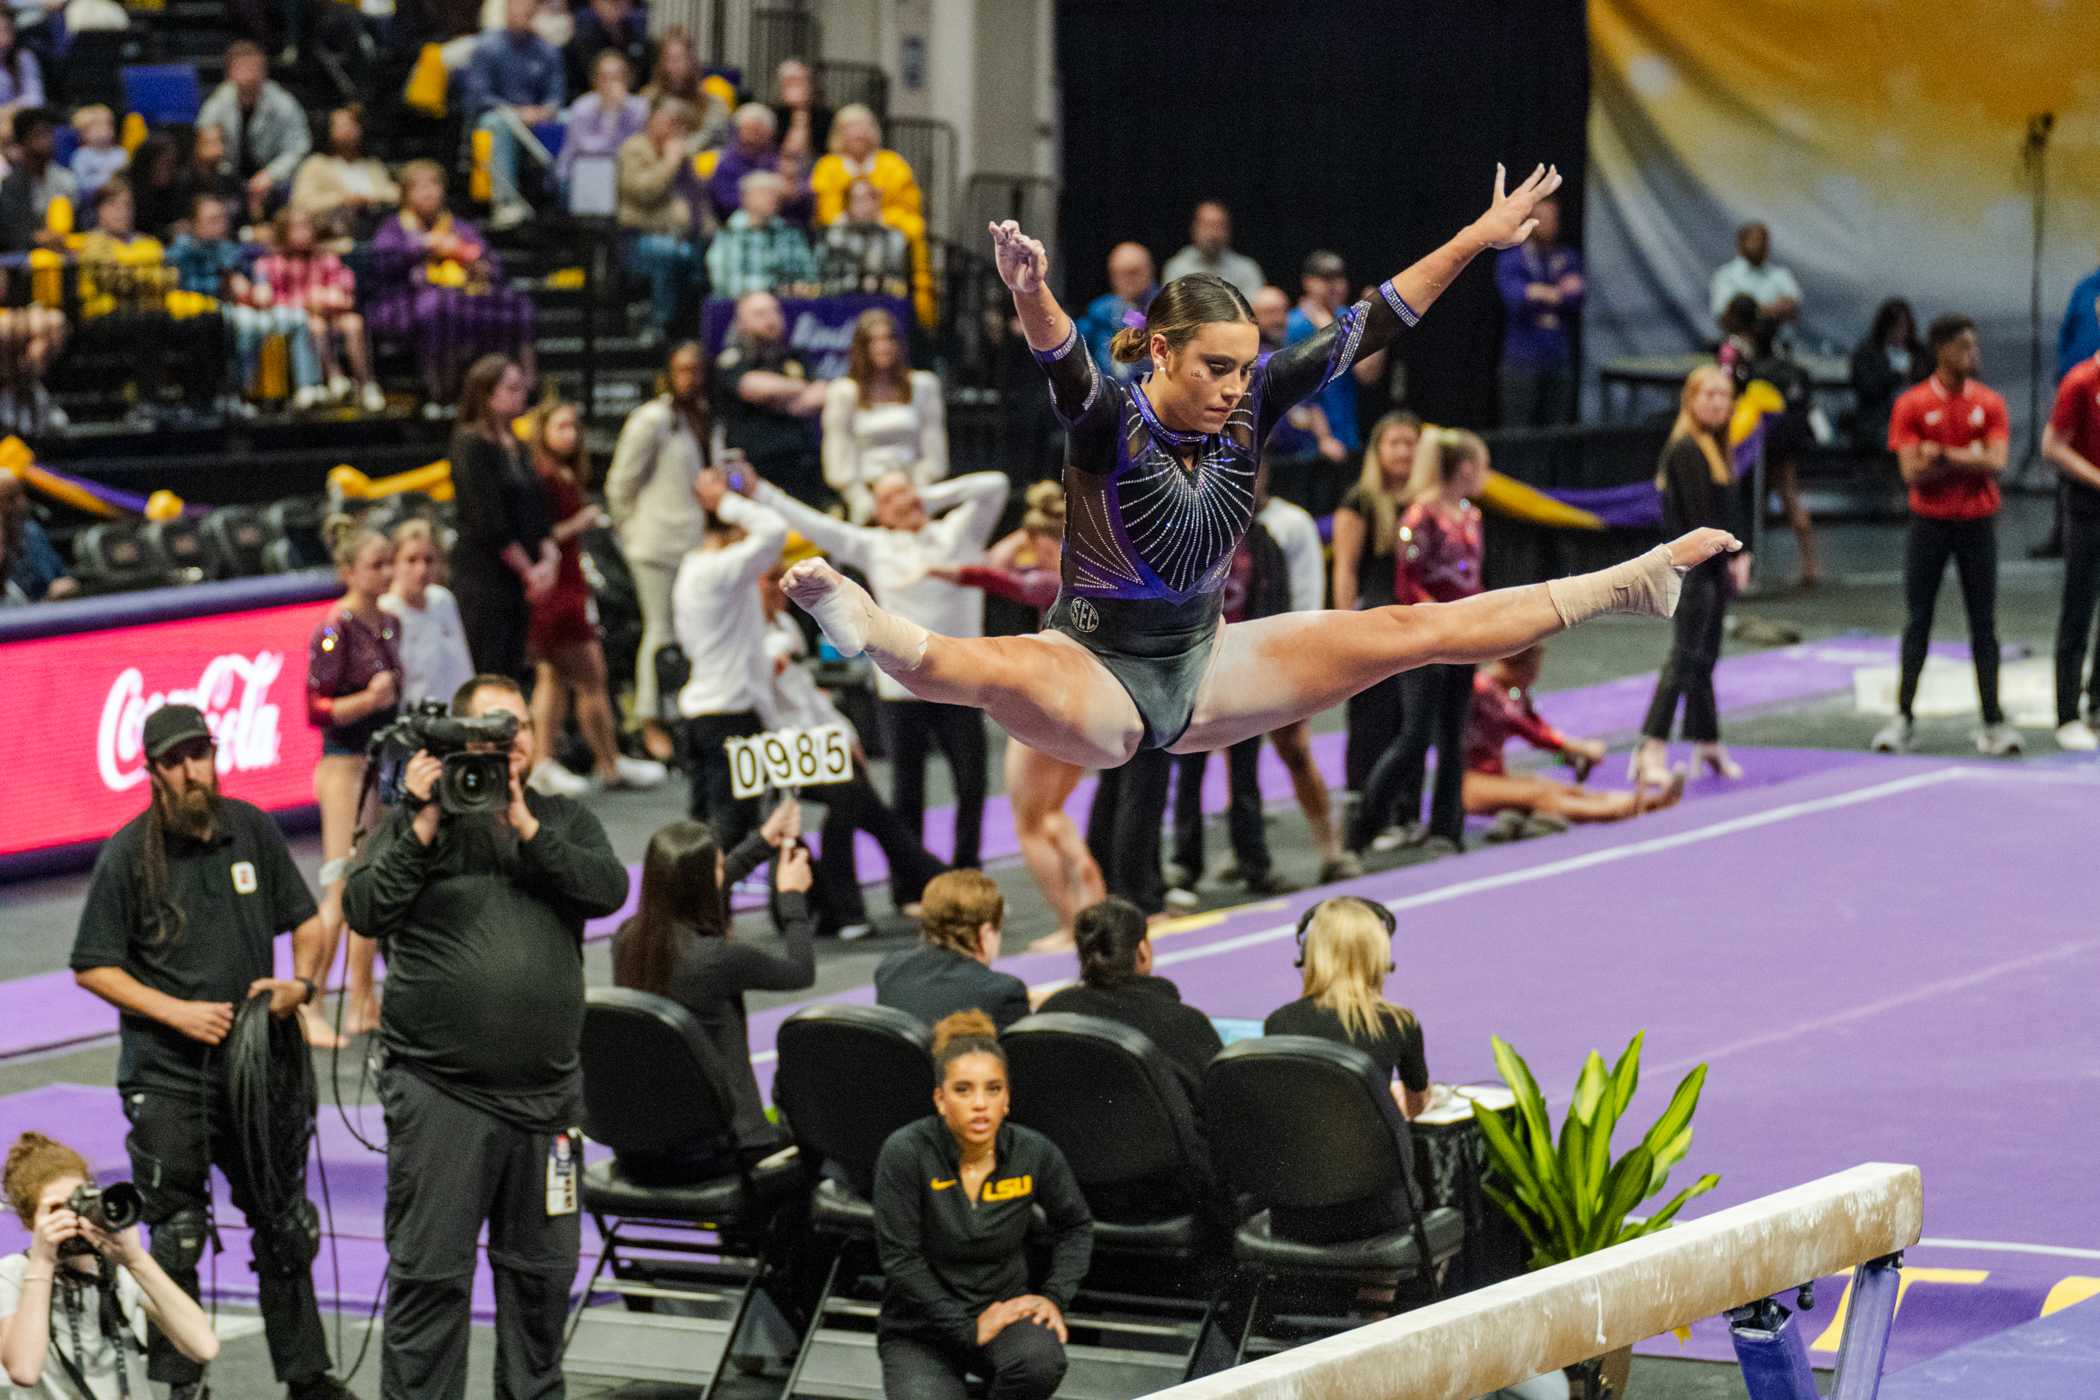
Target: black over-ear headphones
(1385,916)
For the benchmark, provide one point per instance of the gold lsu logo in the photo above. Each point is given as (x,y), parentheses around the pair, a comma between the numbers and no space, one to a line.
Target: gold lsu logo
(1011,1189)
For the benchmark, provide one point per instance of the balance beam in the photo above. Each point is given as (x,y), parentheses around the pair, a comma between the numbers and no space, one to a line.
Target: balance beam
(1479,1342)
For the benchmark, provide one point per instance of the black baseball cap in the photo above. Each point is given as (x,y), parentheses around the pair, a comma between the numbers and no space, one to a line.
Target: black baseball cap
(1323,263)
(171,725)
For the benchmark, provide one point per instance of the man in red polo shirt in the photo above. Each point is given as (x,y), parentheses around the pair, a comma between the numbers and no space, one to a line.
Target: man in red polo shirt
(2071,443)
(1949,435)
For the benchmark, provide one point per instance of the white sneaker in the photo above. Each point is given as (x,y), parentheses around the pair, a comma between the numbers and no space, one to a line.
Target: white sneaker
(2077,736)
(1182,899)
(1895,736)
(640,772)
(509,215)
(372,399)
(1999,740)
(308,398)
(339,388)
(552,780)
(853,933)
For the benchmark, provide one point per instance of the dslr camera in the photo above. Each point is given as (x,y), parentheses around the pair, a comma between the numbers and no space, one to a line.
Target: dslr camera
(475,752)
(110,1209)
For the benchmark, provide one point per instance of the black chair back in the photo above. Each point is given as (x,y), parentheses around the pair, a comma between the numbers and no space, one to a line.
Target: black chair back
(1108,1097)
(237,537)
(653,1089)
(1305,1125)
(182,547)
(115,556)
(848,1077)
(295,528)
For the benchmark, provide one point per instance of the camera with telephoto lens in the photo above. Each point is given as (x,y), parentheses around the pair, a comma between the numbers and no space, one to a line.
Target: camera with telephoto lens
(475,753)
(110,1209)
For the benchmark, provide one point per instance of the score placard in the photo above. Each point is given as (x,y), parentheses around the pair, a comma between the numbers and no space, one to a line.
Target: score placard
(789,758)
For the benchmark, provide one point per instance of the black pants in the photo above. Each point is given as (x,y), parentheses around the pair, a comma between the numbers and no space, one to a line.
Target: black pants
(1373,718)
(1434,701)
(1973,545)
(1122,827)
(1024,1362)
(713,798)
(2081,589)
(1250,839)
(1695,646)
(914,729)
(172,1153)
(492,610)
(1538,395)
(451,1167)
(853,807)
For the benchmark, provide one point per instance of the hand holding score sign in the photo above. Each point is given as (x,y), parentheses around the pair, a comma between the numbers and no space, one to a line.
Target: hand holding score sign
(789,758)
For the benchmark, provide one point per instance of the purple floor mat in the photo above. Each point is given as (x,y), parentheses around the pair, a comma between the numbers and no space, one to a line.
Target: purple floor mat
(1851,1006)
(2053,1358)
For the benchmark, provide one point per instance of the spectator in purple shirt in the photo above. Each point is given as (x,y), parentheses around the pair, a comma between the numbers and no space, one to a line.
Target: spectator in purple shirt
(602,118)
(514,79)
(1541,284)
(753,146)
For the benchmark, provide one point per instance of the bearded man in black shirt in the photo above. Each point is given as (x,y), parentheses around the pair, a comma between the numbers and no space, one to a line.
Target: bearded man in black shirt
(481,921)
(182,912)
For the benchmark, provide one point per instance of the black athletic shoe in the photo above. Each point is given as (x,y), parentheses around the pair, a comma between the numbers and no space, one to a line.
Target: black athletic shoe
(322,1387)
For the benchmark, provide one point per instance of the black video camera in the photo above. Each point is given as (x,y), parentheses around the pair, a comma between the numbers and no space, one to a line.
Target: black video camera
(109,1209)
(475,779)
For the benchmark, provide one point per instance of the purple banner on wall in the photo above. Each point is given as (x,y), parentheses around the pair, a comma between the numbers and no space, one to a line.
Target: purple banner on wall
(819,328)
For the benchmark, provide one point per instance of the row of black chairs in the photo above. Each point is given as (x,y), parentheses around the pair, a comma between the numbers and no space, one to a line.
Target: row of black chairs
(1197,1222)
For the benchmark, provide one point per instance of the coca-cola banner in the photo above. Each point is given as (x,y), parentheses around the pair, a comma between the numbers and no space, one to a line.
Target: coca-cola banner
(76,707)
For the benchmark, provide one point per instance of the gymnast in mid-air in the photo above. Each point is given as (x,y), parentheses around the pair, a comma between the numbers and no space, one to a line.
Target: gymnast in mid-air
(1159,478)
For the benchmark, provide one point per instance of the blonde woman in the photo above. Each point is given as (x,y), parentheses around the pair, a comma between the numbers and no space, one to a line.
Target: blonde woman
(1365,524)
(857,153)
(1698,489)
(353,690)
(431,639)
(1438,560)
(881,416)
(1348,953)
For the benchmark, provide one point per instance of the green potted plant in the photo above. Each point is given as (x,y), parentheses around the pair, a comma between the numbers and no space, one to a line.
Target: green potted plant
(1566,1195)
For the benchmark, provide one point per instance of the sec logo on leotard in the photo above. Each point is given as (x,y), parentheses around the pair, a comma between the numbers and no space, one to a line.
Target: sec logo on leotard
(1084,615)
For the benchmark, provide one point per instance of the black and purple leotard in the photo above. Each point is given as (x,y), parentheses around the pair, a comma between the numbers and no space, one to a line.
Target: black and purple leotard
(1148,540)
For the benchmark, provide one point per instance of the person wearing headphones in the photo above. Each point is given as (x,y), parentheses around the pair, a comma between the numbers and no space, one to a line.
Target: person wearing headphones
(956,1195)
(1345,946)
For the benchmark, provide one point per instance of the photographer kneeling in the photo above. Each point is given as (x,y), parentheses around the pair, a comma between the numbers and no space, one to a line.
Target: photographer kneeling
(78,1302)
(478,891)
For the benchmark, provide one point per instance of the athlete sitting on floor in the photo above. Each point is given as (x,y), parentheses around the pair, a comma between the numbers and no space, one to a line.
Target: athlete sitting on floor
(1528,804)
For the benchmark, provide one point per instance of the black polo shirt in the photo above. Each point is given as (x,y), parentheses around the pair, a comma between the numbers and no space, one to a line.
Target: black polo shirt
(236,895)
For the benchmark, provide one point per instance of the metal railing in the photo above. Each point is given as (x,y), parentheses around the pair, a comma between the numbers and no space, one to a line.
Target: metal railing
(930,145)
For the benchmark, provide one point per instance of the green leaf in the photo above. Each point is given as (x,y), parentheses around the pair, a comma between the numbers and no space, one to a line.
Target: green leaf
(1508,1158)
(1574,1164)
(1531,1108)
(1623,1190)
(1626,1075)
(1663,1217)
(1675,1120)
(1589,1088)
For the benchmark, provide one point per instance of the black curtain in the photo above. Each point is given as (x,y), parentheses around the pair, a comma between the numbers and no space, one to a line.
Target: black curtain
(1371,127)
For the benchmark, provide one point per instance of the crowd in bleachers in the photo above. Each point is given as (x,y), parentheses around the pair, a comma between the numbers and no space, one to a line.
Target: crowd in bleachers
(165,207)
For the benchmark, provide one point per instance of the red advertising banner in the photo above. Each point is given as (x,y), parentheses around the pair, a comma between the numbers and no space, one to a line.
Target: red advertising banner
(76,709)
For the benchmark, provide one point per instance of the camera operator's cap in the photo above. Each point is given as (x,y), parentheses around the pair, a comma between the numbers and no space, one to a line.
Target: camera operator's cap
(171,725)
(1323,263)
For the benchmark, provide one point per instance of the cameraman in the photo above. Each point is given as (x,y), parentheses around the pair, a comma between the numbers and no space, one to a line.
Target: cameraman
(480,918)
(181,912)
(106,1289)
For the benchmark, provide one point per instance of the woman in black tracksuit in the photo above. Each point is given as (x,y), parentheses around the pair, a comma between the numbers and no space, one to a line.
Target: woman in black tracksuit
(954,1194)
(1698,489)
